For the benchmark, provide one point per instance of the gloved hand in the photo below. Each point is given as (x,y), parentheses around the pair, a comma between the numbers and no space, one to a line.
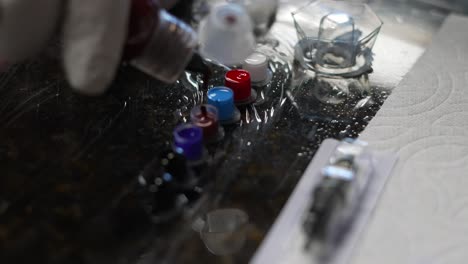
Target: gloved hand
(94,34)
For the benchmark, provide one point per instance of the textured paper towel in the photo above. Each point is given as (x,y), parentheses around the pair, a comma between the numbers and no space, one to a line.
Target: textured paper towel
(423,214)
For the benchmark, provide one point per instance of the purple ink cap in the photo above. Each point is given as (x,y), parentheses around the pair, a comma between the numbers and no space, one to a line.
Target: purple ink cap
(188,140)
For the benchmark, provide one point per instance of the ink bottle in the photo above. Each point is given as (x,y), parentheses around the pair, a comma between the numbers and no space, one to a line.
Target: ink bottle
(147,48)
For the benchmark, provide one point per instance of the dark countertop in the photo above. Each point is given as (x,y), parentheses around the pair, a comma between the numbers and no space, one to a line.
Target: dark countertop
(70,163)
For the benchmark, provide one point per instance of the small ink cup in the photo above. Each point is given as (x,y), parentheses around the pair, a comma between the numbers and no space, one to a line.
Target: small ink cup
(260,75)
(188,141)
(239,81)
(257,65)
(206,118)
(223,99)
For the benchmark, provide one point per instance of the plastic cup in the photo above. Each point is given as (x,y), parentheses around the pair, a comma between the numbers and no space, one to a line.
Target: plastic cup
(224,231)
(226,35)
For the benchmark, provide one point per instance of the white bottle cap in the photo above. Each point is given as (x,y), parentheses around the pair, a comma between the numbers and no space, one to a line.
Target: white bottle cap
(257,65)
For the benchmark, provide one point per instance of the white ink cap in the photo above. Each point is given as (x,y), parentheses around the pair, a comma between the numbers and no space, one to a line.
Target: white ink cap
(257,65)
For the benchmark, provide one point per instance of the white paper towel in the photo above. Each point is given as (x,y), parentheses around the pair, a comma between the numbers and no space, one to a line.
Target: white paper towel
(423,215)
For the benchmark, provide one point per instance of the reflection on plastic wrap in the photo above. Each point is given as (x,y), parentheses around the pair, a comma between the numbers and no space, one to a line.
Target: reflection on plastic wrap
(167,186)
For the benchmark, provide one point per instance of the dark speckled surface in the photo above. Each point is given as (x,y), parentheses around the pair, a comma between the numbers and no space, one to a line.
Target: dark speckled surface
(69,163)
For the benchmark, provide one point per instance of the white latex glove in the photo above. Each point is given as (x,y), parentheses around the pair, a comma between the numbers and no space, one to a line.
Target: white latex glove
(94,34)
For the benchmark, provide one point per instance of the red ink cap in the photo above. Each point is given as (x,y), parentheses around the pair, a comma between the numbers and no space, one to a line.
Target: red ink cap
(239,82)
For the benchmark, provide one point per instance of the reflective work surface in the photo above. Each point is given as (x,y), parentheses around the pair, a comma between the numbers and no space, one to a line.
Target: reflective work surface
(70,164)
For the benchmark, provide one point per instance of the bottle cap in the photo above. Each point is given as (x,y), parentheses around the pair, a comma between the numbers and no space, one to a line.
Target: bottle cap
(240,83)
(257,65)
(223,99)
(188,140)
